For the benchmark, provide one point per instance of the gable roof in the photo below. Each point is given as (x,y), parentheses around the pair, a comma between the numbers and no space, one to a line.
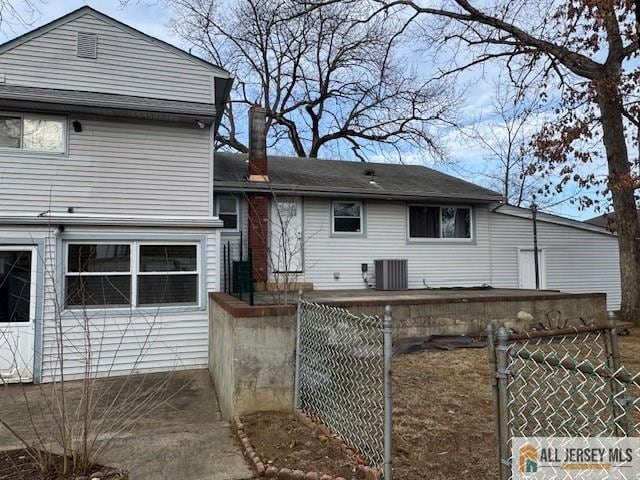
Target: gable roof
(106,18)
(319,177)
(525,213)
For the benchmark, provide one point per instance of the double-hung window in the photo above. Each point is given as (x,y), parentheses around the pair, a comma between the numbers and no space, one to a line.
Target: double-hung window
(131,274)
(168,274)
(228,211)
(346,217)
(36,133)
(445,222)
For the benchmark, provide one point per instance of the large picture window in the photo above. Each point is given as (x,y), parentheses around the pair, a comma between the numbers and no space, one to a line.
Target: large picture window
(131,274)
(443,222)
(346,217)
(33,132)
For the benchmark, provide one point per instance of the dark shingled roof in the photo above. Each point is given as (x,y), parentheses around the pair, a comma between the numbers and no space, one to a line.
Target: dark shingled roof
(608,221)
(313,176)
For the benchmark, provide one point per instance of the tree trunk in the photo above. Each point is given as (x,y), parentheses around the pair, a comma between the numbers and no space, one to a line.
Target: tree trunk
(622,192)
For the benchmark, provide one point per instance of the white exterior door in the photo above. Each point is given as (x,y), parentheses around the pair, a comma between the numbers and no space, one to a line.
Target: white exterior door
(17,313)
(286,235)
(527,269)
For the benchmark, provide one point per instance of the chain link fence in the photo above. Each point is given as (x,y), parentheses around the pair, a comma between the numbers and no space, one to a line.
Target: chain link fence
(343,377)
(561,383)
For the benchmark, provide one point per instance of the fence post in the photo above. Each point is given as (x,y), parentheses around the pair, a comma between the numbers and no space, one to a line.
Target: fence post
(621,425)
(296,381)
(387,331)
(493,380)
(502,375)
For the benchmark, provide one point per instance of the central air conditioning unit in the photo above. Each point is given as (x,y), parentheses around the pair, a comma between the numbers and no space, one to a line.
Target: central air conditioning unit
(391,274)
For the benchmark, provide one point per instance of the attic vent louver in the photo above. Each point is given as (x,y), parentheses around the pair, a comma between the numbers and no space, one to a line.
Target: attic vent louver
(87,46)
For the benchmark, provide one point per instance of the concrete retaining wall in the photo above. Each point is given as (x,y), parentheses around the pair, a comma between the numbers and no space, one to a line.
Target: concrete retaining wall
(251,349)
(470,317)
(251,355)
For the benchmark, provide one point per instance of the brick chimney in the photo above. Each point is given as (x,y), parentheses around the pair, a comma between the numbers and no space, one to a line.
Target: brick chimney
(258,167)
(258,203)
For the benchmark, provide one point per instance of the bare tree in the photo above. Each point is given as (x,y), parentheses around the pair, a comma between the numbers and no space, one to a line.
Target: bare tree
(503,135)
(79,411)
(285,237)
(18,13)
(327,80)
(584,53)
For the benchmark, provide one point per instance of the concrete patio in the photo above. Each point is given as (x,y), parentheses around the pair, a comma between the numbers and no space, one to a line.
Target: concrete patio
(183,438)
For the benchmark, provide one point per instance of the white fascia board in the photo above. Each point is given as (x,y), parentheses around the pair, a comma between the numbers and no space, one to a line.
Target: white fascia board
(56,219)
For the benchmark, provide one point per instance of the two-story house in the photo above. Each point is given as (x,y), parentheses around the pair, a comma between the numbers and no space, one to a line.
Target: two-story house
(108,239)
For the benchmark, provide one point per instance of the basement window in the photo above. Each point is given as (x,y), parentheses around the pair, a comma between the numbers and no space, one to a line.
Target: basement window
(444,222)
(36,133)
(346,217)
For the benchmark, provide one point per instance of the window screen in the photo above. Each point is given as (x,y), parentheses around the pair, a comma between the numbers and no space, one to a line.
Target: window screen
(347,217)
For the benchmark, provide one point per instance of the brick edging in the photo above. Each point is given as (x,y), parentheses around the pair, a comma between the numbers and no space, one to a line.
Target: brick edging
(288,473)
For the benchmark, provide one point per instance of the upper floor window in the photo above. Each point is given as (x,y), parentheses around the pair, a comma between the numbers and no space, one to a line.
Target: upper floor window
(439,222)
(33,132)
(228,211)
(347,217)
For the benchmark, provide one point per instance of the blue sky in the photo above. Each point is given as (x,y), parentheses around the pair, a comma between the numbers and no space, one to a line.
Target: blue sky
(152,17)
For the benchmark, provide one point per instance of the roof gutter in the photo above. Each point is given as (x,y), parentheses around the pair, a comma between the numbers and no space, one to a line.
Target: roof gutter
(332,192)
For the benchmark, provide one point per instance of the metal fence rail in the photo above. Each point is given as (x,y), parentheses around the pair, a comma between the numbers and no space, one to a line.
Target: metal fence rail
(343,376)
(561,383)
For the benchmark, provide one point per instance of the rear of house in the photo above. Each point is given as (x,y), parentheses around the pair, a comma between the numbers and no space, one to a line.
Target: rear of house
(108,238)
(321,224)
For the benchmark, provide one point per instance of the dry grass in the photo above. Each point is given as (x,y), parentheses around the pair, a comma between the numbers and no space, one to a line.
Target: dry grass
(443,413)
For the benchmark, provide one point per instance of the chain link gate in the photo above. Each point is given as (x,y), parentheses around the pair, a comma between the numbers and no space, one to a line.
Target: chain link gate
(560,383)
(343,376)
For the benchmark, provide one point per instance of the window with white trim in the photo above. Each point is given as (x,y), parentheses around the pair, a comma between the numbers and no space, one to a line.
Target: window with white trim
(131,274)
(446,222)
(39,133)
(228,211)
(346,217)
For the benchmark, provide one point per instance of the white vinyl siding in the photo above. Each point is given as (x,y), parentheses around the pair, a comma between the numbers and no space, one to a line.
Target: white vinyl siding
(576,260)
(126,64)
(114,167)
(434,264)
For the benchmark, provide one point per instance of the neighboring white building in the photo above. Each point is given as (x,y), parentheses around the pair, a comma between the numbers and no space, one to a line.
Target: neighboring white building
(107,222)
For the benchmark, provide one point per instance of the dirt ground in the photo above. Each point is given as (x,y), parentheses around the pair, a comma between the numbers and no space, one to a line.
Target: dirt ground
(284,442)
(19,465)
(443,421)
(443,413)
